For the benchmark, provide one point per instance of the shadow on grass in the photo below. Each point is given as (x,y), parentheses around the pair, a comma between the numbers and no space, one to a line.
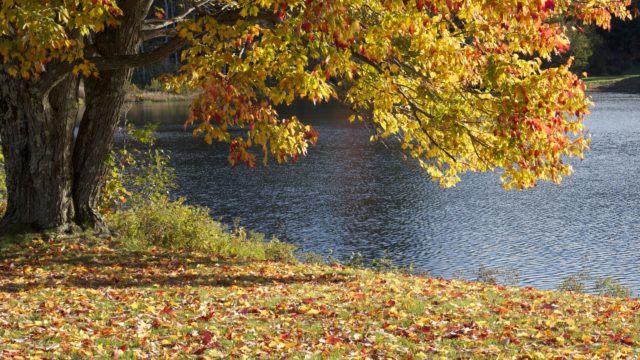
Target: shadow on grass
(119,270)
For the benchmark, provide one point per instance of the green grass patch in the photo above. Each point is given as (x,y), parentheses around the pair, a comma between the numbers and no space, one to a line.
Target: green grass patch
(175,225)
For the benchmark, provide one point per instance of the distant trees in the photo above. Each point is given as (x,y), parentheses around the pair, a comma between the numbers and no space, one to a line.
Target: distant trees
(598,51)
(616,51)
(581,50)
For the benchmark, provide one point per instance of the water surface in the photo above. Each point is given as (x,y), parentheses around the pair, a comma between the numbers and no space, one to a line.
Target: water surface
(353,196)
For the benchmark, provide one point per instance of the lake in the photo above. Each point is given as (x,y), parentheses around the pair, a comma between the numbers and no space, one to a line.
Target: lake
(353,196)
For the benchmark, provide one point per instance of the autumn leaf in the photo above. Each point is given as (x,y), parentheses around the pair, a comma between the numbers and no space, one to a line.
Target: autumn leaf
(163,304)
(159,13)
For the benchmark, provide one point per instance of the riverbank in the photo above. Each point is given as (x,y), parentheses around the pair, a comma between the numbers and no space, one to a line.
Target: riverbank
(620,84)
(626,84)
(157,96)
(91,298)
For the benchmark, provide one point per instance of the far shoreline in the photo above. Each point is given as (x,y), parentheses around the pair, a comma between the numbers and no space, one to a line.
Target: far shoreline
(139,96)
(624,84)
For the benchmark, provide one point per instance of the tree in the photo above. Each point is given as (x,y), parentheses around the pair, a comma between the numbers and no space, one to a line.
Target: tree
(459,83)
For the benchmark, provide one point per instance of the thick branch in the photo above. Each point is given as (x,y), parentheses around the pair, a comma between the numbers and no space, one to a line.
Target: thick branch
(154,34)
(57,72)
(138,60)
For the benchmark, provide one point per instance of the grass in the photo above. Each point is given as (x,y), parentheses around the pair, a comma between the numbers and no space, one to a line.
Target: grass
(89,297)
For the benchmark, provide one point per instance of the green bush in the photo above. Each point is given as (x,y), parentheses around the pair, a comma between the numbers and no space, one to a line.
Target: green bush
(495,276)
(138,208)
(177,226)
(600,286)
(574,283)
(138,172)
(610,287)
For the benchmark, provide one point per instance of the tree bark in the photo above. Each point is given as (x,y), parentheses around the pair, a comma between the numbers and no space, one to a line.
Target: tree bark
(37,135)
(105,98)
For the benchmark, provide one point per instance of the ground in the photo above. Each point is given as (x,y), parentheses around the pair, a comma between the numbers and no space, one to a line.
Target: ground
(158,96)
(89,298)
(629,84)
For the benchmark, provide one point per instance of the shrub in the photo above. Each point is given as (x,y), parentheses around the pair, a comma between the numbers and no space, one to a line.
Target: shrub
(177,226)
(574,283)
(137,206)
(610,287)
(496,276)
(138,172)
(599,286)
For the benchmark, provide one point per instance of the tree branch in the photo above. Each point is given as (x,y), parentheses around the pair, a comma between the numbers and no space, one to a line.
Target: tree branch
(154,34)
(104,63)
(57,72)
(154,24)
(138,60)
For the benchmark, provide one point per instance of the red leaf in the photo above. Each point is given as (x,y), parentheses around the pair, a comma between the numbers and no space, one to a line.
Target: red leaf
(206,317)
(206,336)
(623,339)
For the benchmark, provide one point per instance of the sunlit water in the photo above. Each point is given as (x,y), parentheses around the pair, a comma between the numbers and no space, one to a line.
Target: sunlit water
(352,196)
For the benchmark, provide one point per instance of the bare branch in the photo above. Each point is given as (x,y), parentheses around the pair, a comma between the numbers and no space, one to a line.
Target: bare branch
(154,34)
(155,24)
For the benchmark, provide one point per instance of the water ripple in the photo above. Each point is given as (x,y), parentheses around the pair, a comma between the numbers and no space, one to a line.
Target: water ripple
(350,195)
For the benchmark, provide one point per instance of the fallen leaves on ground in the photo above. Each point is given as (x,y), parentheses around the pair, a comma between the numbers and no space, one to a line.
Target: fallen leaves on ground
(90,299)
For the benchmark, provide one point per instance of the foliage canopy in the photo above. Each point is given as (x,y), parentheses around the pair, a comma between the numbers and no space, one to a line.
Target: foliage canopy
(460,83)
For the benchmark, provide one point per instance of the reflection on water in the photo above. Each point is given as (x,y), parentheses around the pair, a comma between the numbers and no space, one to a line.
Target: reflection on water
(350,195)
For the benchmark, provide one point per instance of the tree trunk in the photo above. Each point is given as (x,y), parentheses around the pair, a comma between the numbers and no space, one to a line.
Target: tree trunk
(105,97)
(37,135)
